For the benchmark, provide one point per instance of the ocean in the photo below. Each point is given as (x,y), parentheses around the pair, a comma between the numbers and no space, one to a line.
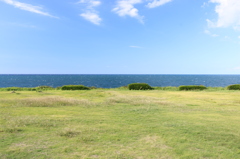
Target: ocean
(114,80)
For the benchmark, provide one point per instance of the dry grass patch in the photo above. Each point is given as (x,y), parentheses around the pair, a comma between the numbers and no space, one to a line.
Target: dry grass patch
(14,124)
(53,102)
(69,132)
(137,100)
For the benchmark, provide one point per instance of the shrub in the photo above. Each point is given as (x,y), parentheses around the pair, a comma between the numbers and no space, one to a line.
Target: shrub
(75,87)
(234,87)
(139,86)
(192,87)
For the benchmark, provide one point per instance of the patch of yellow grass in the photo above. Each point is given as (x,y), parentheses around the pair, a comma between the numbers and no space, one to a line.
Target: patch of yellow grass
(137,100)
(53,101)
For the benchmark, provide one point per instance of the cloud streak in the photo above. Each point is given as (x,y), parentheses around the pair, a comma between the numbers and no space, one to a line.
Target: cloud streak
(126,8)
(92,17)
(228,13)
(28,7)
(209,33)
(90,13)
(157,3)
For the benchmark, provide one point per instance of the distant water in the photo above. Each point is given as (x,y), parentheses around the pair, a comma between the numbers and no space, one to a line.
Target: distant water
(113,81)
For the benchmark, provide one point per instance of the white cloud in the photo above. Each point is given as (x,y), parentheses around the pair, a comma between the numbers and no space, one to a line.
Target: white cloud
(157,3)
(209,33)
(92,17)
(28,7)
(228,13)
(90,3)
(126,8)
(90,13)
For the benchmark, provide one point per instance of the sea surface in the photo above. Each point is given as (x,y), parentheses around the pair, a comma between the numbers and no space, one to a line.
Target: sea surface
(114,81)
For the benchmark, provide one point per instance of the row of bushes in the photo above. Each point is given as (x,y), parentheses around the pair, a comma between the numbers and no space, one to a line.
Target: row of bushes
(132,86)
(42,88)
(144,86)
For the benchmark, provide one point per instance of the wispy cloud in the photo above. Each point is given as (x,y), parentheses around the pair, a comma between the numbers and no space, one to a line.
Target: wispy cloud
(228,13)
(126,8)
(209,33)
(90,13)
(28,7)
(156,3)
(92,17)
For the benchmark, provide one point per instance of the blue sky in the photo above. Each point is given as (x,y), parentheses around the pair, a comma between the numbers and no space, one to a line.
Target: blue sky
(120,37)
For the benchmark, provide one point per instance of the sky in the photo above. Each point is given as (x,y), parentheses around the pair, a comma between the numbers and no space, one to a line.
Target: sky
(120,37)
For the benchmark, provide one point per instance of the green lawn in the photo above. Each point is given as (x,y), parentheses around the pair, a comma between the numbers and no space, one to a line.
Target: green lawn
(118,123)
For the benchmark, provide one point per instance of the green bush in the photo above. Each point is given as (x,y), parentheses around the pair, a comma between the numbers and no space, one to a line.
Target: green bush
(75,87)
(139,86)
(234,87)
(192,87)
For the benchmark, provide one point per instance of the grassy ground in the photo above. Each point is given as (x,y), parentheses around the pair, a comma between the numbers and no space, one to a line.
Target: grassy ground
(118,123)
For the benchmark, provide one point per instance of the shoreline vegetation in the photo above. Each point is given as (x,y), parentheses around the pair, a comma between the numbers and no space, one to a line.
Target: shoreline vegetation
(132,86)
(119,123)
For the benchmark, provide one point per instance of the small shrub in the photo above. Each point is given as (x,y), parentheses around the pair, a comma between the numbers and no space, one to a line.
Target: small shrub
(139,86)
(75,87)
(192,87)
(234,87)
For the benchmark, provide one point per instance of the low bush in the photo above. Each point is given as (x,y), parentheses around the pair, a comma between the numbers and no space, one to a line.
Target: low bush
(139,86)
(75,87)
(234,87)
(192,87)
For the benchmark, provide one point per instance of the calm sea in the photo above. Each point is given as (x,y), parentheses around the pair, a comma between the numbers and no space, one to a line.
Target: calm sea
(113,81)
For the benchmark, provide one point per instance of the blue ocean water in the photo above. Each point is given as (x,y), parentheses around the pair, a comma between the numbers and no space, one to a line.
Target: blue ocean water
(114,81)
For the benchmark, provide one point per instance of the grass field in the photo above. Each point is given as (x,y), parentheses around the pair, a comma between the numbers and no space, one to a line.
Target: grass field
(121,124)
